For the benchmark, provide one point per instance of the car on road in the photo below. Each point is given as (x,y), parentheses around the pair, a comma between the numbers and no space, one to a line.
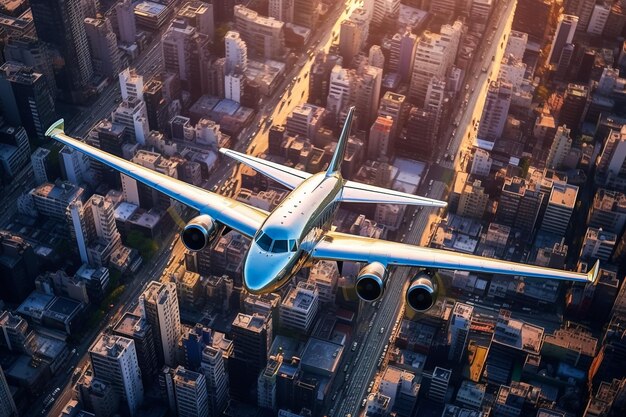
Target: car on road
(382,329)
(354,345)
(364,402)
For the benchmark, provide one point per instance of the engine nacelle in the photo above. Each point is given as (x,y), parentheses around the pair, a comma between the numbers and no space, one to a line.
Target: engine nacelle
(199,232)
(371,282)
(422,292)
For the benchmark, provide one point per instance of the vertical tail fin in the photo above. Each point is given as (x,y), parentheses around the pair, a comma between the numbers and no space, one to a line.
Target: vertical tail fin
(335,163)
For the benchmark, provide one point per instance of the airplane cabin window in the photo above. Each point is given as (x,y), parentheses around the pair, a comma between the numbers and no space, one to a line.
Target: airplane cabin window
(293,246)
(264,241)
(280,246)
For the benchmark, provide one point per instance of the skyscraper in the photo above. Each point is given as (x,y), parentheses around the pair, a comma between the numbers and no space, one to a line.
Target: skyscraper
(106,57)
(458,330)
(573,109)
(32,53)
(131,84)
(306,12)
(252,339)
(236,52)
(191,393)
(114,360)
(281,10)
(402,53)
(353,35)
(125,15)
(212,366)
(495,111)
(159,304)
(560,148)
(379,141)
(7,405)
(137,328)
(564,35)
(417,141)
(263,35)
(60,23)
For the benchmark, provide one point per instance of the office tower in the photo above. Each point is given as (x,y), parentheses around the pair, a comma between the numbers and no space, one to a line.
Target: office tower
(573,108)
(582,9)
(341,89)
(495,111)
(139,331)
(15,334)
(598,19)
(445,8)
(439,384)
(376,57)
(473,200)
(131,114)
(32,53)
(299,308)
(75,166)
(561,145)
(353,35)
(564,35)
(127,28)
(213,369)
(436,102)
(60,23)
(368,82)
(114,360)
(26,99)
(266,383)
(140,194)
(519,205)
(564,65)
(306,12)
(598,244)
(402,53)
(608,211)
(458,330)
(185,52)
(52,200)
(15,150)
(379,142)
(615,21)
(611,171)
(319,79)
(18,268)
(516,44)
(533,17)
(105,56)
(305,120)
(263,36)
(395,106)
(480,11)
(281,10)
(417,141)
(40,160)
(236,52)
(191,393)
(560,208)
(252,338)
(481,163)
(380,10)
(7,405)
(159,306)
(156,105)
(199,14)
(131,84)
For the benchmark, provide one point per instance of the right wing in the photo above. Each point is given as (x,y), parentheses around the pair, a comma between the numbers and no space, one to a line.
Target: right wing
(231,213)
(355,192)
(346,247)
(289,177)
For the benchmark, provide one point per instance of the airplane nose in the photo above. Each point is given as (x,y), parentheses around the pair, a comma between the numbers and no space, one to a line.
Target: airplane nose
(263,273)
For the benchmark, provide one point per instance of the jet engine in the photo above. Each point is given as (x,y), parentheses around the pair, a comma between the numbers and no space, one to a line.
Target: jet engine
(371,282)
(422,292)
(199,232)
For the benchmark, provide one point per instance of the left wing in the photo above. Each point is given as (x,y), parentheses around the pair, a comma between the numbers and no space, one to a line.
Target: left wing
(289,177)
(345,247)
(231,213)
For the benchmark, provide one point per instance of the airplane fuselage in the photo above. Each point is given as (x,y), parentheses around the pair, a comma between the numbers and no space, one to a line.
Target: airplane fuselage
(283,245)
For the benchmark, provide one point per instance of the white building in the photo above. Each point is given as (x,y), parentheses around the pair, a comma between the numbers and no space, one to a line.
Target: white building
(598,244)
(131,84)
(560,207)
(191,393)
(75,166)
(598,19)
(212,366)
(342,85)
(39,160)
(516,44)
(324,275)
(233,86)
(481,164)
(114,360)
(125,14)
(132,114)
(471,394)
(561,145)
(376,57)
(105,55)
(439,384)
(299,308)
(159,306)
(495,111)
(236,52)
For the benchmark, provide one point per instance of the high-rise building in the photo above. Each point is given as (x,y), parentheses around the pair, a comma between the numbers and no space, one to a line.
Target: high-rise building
(458,330)
(436,101)
(573,108)
(7,405)
(564,35)
(376,58)
(299,308)
(266,383)
(236,52)
(127,28)
(395,106)
(516,44)
(305,120)
(380,10)
(418,139)
(319,80)
(598,19)
(439,384)
(60,23)
(199,14)
(105,55)
(401,387)
(402,53)
(191,393)
(560,207)
(75,166)
(114,360)
(132,115)
(481,163)
(598,244)
(368,82)
(156,105)
(306,12)
(341,89)
(252,338)
(15,149)
(582,9)
(137,329)
(611,171)
(26,99)
(159,305)
(131,84)
(533,17)
(473,200)
(608,211)
(353,35)
(264,36)
(379,142)
(281,10)
(52,200)
(32,53)
(18,268)
(213,368)
(40,159)
(185,51)
(560,148)
(495,111)
(519,205)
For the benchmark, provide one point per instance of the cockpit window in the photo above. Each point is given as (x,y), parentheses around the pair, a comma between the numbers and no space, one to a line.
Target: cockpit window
(264,241)
(280,246)
(293,246)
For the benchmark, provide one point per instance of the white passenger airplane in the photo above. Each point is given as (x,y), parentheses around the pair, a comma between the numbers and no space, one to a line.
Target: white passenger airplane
(299,231)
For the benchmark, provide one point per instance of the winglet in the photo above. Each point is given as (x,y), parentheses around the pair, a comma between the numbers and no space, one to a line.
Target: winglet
(594,274)
(56,127)
(335,163)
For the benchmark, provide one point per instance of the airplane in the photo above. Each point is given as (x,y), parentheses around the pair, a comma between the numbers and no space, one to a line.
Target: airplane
(298,231)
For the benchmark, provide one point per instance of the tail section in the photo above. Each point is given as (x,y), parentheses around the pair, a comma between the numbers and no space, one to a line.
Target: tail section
(335,163)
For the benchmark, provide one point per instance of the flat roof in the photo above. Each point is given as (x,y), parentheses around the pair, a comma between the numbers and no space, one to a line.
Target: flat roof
(321,355)
(564,195)
(35,304)
(64,306)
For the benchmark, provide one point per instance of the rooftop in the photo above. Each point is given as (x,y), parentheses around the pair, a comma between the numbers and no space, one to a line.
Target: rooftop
(301,297)
(110,345)
(573,339)
(131,325)
(321,355)
(564,195)
(517,334)
(254,323)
